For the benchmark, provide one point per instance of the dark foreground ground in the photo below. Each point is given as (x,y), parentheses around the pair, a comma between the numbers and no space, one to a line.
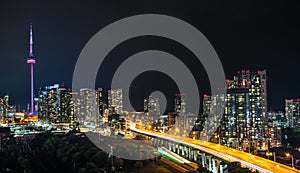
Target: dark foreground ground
(73,153)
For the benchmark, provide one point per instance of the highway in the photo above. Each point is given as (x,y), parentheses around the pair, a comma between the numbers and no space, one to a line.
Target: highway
(223,152)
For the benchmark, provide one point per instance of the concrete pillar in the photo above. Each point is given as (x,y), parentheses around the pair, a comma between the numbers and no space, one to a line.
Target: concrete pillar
(187,155)
(203,158)
(195,155)
(186,151)
(191,152)
(169,146)
(214,168)
(221,169)
(165,143)
(209,163)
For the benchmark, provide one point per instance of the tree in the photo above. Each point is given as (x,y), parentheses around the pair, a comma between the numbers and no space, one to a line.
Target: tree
(138,165)
(50,146)
(24,164)
(235,167)
(90,167)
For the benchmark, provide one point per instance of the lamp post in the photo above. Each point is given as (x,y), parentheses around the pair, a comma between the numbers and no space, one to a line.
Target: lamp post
(112,157)
(268,154)
(271,154)
(292,157)
(176,131)
(217,137)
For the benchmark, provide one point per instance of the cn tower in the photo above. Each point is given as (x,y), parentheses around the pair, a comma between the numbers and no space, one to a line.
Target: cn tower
(31,61)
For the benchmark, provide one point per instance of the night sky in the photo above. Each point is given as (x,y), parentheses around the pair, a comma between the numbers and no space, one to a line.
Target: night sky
(246,35)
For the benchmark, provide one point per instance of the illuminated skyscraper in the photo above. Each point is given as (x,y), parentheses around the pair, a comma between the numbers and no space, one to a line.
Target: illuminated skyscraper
(31,60)
(180,105)
(55,104)
(87,105)
(151,106)
(65,105)
(254,99)
(206,104)
(263,79)
(277,121)
(146,105)
(2,110)
(74,109)
(115,101)
(236,118)
(4,107)
(292,112)
(244,115)
(99,101)
(48,103)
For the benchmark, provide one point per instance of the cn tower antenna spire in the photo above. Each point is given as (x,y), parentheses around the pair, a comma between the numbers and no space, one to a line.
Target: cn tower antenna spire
(31,61)
(31,41)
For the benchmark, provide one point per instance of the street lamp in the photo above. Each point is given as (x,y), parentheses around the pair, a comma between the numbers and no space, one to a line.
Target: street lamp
(217,137)
(268,154)
(292,157)
(176,131)
(111,154)
(271,154)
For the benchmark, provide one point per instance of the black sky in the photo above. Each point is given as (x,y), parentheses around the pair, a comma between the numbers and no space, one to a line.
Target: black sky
(245,34)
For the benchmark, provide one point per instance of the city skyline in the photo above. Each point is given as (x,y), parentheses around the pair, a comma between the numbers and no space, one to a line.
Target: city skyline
(247,43)
(150,86)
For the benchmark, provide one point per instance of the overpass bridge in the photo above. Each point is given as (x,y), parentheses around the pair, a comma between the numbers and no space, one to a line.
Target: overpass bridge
(211,154)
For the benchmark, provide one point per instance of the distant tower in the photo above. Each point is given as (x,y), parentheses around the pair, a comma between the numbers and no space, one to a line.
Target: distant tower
(31,61)
(180,105)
